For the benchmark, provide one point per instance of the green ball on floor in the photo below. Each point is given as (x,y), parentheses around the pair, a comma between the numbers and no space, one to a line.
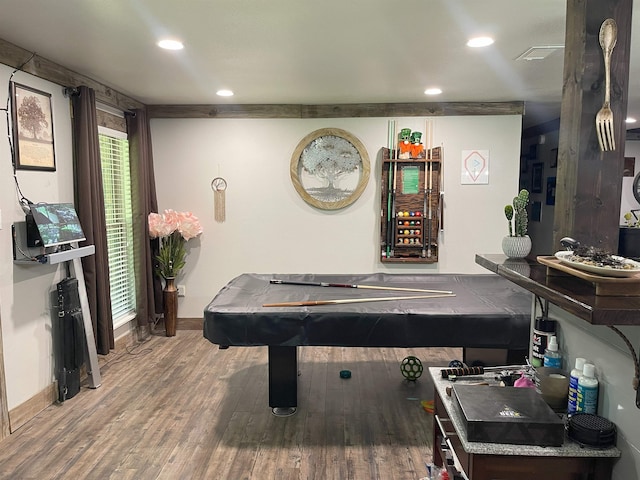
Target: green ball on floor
(411,368)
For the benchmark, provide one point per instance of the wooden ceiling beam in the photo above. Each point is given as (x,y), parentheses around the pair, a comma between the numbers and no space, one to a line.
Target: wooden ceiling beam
(420,109)
(31,62)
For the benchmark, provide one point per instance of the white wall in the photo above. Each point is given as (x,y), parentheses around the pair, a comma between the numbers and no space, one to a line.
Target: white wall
(615,372)
(24,290)
(270,229)
(629,202)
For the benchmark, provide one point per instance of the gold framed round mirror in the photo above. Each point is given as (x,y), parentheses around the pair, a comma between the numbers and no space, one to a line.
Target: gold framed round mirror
(330,168)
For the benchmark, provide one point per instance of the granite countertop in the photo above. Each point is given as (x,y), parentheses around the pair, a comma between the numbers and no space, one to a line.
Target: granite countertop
(572,294)
(569,449)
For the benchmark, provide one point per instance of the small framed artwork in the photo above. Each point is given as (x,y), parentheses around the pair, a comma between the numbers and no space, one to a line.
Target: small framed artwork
(551,190)
(553,163)
(536,211)
(629,167)
(32,129)
(536,177)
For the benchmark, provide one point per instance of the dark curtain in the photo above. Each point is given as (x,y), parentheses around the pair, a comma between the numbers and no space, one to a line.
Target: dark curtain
(149,288)
(89,200)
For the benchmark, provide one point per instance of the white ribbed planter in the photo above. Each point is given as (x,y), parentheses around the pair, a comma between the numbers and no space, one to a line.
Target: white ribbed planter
(516,247)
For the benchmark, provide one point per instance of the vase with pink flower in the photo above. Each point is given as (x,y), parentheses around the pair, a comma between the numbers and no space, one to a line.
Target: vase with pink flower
(173,230)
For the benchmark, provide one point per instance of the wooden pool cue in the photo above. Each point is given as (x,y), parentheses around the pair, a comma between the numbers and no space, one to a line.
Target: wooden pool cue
(424,209)
(430,212)
(347,285)
(310,303)
(389,238)
(393,208)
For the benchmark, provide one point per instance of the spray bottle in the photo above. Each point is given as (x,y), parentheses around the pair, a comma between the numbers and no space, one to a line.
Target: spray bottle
(552,357)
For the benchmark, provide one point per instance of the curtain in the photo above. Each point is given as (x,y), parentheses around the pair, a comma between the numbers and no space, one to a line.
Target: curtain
(148,285)
(89,200)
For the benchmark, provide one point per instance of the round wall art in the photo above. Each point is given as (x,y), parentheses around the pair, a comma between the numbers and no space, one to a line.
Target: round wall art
(330,168)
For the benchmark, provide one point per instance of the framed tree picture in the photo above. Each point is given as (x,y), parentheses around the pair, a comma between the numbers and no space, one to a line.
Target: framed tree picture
(330,168)
(32,129)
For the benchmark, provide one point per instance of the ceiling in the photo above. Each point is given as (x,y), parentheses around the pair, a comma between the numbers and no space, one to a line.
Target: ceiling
(305,52)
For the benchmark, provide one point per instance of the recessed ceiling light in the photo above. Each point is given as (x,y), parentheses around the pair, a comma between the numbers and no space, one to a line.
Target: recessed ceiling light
(433,91)
(224,93)
(480,42)
(630,120)
(171,44)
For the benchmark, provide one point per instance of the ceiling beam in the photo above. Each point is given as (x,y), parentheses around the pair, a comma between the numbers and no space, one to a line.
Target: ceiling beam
(32,63)
(421,109)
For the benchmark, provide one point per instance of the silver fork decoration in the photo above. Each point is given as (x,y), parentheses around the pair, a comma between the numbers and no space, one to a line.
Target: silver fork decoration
(604,118)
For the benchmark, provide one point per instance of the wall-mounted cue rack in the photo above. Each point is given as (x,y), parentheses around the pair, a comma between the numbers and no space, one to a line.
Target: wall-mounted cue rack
(411,208)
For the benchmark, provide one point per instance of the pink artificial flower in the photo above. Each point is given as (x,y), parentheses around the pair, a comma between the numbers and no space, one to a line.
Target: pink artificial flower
(189,225)
(156,226)
(172,219)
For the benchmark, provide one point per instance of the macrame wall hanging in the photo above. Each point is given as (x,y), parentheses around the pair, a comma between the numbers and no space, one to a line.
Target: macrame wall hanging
(219,185)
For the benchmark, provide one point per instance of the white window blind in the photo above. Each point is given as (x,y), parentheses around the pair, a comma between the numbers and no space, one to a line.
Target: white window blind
(116,180)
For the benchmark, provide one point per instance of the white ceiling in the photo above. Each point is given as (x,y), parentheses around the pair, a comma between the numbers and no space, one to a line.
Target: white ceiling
(302,51)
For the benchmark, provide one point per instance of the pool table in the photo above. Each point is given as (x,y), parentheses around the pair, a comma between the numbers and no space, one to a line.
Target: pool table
(486,311)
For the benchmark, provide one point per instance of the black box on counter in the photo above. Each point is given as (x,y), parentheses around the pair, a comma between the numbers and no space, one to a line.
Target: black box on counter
(520,416)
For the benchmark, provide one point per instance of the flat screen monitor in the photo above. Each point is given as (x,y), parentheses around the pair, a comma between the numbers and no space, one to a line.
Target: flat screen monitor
(57,223)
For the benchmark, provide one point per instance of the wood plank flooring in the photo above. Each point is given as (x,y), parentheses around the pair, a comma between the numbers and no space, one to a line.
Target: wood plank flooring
(180,408)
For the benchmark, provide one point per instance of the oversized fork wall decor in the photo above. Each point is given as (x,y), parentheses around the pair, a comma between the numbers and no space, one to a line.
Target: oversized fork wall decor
(604,118)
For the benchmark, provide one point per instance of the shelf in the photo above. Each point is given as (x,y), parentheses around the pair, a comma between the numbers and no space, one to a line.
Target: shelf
(572,294)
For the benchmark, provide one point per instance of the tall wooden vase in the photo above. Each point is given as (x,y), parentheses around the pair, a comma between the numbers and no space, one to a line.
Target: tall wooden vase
(170,302)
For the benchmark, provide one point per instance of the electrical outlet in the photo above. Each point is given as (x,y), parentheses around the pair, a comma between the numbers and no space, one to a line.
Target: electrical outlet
(182,290)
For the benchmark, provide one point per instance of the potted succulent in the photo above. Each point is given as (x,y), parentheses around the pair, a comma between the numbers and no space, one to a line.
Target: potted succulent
(517,244)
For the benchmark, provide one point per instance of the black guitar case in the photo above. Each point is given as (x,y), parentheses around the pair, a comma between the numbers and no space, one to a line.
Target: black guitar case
(70,339)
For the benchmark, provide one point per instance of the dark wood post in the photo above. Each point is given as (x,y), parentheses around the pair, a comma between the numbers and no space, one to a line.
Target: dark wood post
(589,182)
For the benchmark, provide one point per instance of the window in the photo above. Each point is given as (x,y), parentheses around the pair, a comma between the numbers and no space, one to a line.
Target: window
(116,180)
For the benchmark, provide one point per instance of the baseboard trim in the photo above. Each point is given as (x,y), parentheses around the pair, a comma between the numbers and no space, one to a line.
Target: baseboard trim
(24,412)
(190,323)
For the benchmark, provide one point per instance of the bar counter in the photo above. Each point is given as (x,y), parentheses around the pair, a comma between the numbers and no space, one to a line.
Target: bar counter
(572,294)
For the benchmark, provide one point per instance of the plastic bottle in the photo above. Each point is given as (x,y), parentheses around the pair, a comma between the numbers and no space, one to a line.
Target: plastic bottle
(543,329)
(576,373)
(588,390)
(552,357)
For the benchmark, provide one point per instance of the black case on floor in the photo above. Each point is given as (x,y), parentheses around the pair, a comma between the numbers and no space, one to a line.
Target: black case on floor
(70,339)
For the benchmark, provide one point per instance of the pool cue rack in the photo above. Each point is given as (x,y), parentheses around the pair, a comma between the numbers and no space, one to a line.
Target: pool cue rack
(410,216)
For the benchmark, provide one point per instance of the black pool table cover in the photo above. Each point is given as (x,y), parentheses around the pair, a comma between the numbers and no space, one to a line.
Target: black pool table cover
(487,311)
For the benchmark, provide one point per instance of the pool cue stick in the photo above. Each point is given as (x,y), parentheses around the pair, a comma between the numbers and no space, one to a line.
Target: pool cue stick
(424,211)
(430,212)
(311,303)
(389,238)
(347,285)
(393,208)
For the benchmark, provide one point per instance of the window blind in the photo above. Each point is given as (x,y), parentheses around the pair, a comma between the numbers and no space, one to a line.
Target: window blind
(116,180)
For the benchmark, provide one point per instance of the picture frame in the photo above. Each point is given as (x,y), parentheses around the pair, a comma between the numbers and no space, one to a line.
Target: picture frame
(551,190)
(629,167)
(536,211)
(553,163)
(330,168)
(32,129)
(536,177)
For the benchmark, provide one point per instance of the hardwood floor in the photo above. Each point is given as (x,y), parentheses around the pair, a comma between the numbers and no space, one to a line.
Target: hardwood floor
(180,408)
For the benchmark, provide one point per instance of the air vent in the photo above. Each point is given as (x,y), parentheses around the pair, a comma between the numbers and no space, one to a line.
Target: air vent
(539,53)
